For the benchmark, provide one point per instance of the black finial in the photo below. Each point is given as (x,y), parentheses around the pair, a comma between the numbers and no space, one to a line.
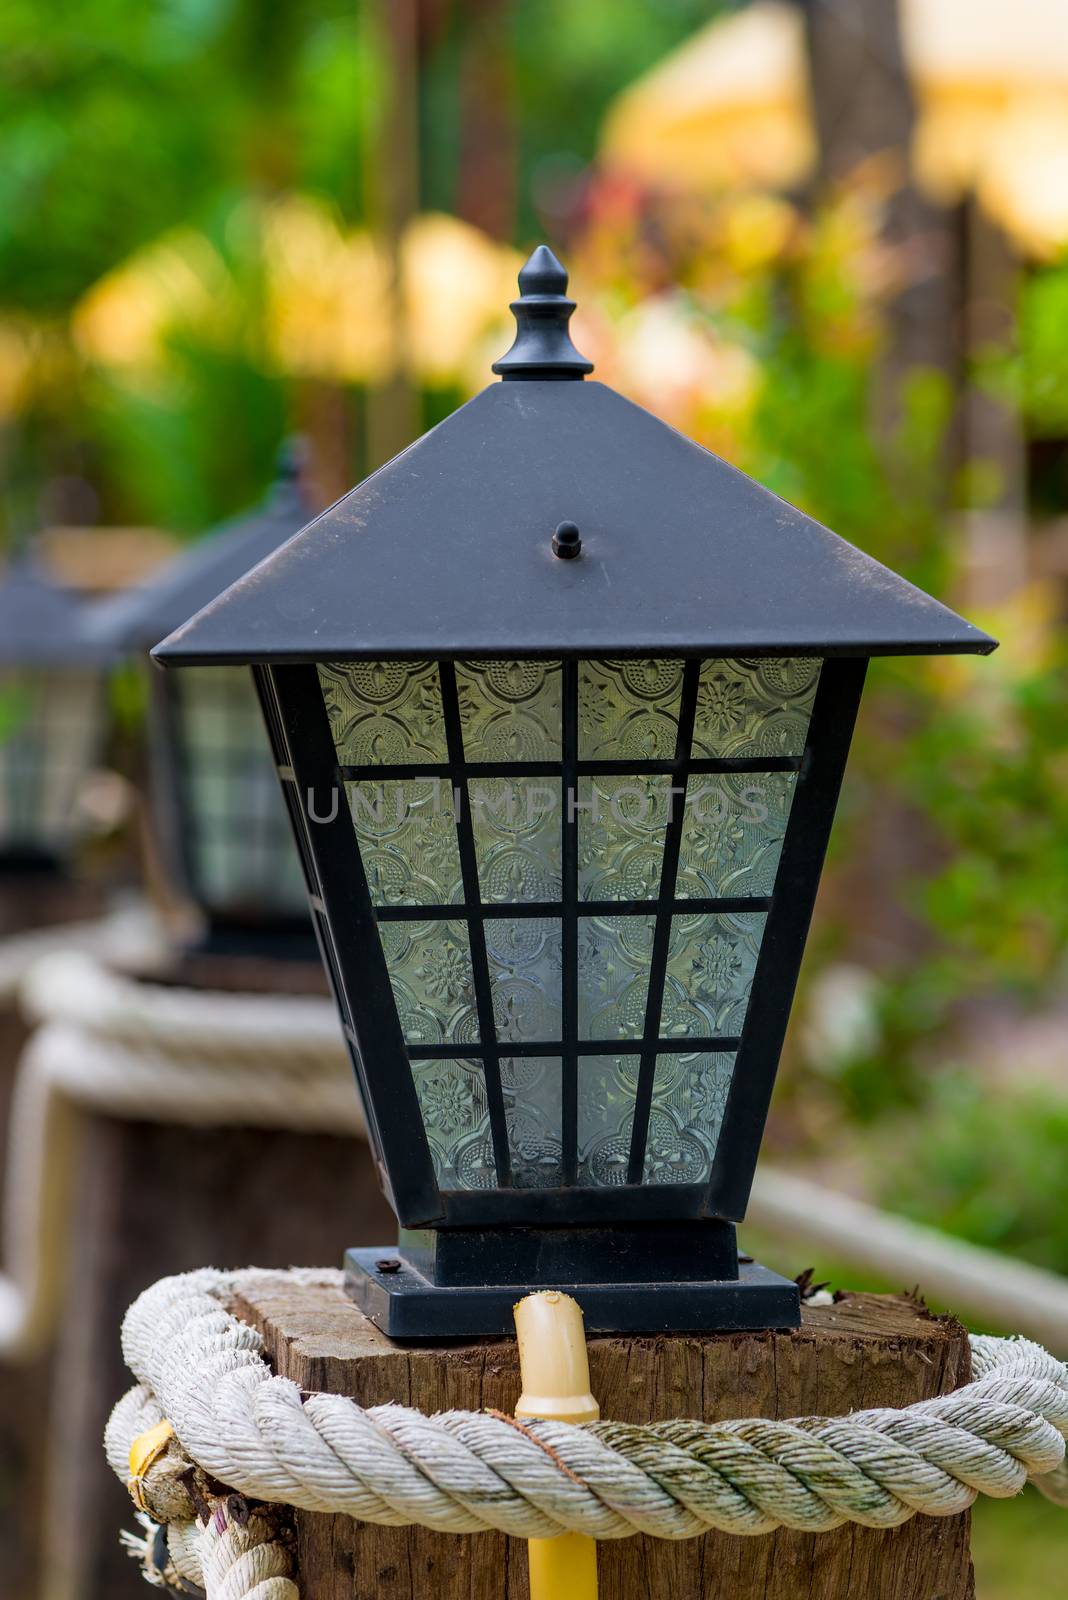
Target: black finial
(567,541)
(542,347)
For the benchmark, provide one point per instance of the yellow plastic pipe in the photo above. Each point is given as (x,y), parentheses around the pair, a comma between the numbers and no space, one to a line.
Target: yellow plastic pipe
(555,1374)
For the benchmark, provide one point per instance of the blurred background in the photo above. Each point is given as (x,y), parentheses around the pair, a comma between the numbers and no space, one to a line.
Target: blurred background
(827,239)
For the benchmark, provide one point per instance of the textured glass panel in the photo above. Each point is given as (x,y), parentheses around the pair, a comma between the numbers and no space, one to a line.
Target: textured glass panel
(613,975)
(241,850)
(452,1099)
(407,834)
(711,962)
(689,1098)
(532,1113)
(50,729)
(430,970)
(755,708)
(510,710)
(621,827)
(384,712)
(606,1089)
(516,824)
(524,963)
(732,833)
(629,710)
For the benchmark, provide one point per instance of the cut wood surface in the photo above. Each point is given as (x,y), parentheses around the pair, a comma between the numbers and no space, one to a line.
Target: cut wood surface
(866,1350)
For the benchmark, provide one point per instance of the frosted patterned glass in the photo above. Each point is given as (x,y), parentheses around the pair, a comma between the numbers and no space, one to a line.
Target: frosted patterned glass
(516,826)
(524,963)
(754,708)
(689,1098)
(532,1112)
(711,962)
(407,835)
(621,827)
(613,975)
(510,710)
(606,1090)
(452,1099)
(629,710)
(732,833)
(430,970)
(384,712)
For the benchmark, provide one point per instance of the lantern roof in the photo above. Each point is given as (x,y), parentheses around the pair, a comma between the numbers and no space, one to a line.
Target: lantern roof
(44,623)
(450,549)
(140,615)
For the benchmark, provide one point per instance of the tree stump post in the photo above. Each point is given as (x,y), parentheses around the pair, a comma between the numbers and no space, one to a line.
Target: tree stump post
(866,1350)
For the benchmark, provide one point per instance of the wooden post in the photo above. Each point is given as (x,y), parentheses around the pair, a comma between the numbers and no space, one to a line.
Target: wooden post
(152,1199)
(865,1351)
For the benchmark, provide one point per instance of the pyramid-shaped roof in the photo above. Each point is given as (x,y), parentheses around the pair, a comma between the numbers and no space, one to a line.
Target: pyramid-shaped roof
(447,549)
(139,616)
(44,623)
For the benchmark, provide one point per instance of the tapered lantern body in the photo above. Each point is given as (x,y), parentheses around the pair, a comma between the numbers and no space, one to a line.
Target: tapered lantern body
(219,820)
(53,717)
(560,704)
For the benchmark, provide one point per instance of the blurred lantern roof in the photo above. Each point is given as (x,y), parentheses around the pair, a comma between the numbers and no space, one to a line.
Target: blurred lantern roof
(448,549)
(138,617)
(731,107)
(44,623)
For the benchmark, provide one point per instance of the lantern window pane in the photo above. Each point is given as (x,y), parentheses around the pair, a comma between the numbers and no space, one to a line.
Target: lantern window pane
(50,726)
(622,822)
(628,710)
(732,833)
(516,828)
(749,709)
(532,1088)
(606,1089)
(452,1100)
(430,970)
(509,710)
(407,834)
(240,839)
(524,962)
(384,712)
(710,967)
(689,1099)
(613,975)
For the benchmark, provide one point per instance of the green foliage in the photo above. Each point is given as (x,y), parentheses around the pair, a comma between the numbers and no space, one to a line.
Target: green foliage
(987,1164)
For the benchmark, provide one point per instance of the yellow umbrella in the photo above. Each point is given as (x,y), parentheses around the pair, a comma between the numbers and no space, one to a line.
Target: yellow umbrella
(732,107)
(729,107)
(991,84)
(455,280)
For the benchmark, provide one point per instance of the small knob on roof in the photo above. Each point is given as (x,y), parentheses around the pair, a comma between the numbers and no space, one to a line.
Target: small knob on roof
(542,347)
(567,541)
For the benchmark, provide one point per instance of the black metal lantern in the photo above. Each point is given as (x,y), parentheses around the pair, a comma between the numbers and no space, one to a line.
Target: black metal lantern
(560,704)
(219,818)
(53,711)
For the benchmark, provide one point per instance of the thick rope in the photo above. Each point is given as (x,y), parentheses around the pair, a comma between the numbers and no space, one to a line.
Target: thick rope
(465,1472)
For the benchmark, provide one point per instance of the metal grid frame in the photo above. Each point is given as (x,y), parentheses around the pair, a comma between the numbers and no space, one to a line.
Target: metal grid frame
(307,762)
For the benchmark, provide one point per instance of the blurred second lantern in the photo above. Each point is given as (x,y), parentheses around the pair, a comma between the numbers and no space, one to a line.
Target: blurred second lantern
(560,705)
(53,708)
(218,817)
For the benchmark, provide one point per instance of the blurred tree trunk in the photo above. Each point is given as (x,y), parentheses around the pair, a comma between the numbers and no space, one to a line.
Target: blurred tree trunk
(392,190)
(488,156)
(864,113)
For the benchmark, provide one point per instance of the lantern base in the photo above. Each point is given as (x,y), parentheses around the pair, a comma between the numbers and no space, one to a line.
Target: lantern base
(404,1304)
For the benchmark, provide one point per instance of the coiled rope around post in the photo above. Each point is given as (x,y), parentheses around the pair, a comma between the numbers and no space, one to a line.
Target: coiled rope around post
(248,1440)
